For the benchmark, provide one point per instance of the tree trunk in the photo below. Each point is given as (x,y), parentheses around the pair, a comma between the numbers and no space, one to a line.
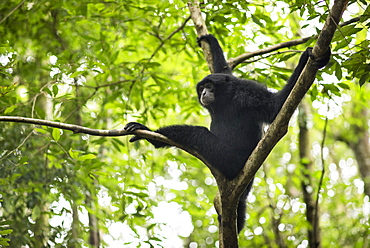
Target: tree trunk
(361,147)
(312,211)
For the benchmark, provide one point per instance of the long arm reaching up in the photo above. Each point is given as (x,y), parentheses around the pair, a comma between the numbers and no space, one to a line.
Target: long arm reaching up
(282,95)
(219,62)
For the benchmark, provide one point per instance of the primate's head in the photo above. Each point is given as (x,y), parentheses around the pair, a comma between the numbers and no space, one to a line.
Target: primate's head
(213,89)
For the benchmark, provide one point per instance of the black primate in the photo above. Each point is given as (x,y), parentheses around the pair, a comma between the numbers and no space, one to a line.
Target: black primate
(238,109)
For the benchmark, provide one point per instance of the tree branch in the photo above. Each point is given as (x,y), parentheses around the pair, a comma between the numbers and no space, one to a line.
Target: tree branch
(107,133)
(234,62)
(201,28)
(70,127)
(280,126)
(230,191)
(12,11)
(169,37)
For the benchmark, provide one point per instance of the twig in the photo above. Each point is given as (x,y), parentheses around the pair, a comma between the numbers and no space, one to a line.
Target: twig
(12,11)
(169,37)
(15,149)
(322,164)
(108,84)
(233,62)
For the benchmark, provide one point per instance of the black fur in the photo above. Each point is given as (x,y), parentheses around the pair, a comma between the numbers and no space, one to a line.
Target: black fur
(238,108)
(219,63)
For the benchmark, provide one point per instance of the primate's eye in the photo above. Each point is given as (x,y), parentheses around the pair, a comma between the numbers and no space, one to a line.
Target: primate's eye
(209,86)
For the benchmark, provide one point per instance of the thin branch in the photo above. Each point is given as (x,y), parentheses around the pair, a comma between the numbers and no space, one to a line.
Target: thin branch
(322,164)
(15,149)
(275,220)
(108,133)
(12,11)
(270,55)
(169,37)
(353,20)
(108,84)
(83,103)
(312,210)
(233,62)
(65,126)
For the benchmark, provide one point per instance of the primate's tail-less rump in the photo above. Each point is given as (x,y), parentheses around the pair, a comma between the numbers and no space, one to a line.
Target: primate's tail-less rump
(238,107)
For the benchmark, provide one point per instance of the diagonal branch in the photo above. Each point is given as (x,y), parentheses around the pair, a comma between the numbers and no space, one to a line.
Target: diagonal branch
(12,11)
(280,126)
(169,37)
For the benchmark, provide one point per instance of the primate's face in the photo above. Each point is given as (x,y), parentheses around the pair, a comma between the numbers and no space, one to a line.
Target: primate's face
(206,94)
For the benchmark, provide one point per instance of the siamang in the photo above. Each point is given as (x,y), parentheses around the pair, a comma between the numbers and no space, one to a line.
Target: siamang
(238,109)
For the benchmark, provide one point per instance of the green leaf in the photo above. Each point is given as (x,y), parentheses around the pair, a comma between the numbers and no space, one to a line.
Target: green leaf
(40,130)
(36,212)
(10,109)
(56,134)
(344,86)
(338,70)
(77,73)
(74,154)
(55,90)
(86,157)
(257,21)
(6,232)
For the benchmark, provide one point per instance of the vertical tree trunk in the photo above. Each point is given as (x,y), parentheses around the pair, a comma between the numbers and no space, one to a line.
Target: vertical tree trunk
(42,227)
(94,237)
(312,213)
(361,149)
(75,230)
(360,145)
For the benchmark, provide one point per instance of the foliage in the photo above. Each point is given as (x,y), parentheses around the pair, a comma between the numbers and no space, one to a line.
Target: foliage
(103,64)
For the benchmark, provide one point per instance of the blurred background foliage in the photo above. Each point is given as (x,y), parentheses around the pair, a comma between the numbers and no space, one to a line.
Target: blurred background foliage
(101,64)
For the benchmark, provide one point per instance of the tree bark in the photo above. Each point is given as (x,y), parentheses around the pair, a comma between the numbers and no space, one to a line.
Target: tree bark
(361,149)
(358,140)
(201,28)
(314,235)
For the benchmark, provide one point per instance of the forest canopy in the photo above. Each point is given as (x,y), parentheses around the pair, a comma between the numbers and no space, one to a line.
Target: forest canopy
(102,64)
